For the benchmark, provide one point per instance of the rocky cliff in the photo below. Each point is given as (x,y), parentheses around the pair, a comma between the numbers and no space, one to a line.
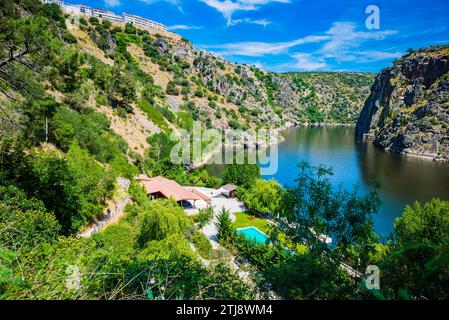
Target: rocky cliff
(407,111)
(224,94)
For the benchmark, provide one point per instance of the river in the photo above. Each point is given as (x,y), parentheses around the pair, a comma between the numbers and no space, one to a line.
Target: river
(403,180)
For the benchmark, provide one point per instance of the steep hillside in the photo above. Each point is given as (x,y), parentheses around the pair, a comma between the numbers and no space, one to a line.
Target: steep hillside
(408,109)
(224,94)
(145,83)
(330,97)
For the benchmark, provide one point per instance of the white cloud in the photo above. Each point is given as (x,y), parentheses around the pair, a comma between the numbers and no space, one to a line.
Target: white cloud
(261,22)
(345,38)
(183,27)
(112,3)
(341,43)
(372,55)
(307,62)
(259,49)
(228,7)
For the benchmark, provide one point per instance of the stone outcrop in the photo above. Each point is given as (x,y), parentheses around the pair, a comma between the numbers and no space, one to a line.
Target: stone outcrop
(407,111)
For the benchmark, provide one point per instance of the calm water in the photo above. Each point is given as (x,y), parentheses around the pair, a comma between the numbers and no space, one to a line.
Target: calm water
(403,180)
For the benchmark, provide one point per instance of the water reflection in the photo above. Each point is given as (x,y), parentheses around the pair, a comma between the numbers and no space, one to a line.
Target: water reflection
(402,180)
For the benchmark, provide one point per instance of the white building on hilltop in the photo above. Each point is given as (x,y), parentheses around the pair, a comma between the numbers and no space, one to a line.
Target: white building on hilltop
(107,14)
(142,22)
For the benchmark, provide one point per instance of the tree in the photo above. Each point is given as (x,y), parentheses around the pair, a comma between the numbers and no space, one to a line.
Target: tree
(313,210)
(226,231)
(24,222)
(23,42)
(159,149)
(205,216)
(130,29)
(160,219)
(428,223)
(121,88)
(94,184)
(263,196)
(416,264)
(241,174)
(172,89)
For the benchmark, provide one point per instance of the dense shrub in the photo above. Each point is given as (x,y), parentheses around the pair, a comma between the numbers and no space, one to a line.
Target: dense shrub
(202,245)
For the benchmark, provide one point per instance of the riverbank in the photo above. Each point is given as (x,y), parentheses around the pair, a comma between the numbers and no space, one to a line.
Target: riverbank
(253,145)
(247,142)
(354,162)
(369,138)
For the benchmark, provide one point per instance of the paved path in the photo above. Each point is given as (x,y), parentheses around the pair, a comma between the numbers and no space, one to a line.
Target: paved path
(218,202)
(109,219)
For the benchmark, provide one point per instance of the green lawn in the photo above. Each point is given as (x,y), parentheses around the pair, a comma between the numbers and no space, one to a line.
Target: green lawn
(242,221)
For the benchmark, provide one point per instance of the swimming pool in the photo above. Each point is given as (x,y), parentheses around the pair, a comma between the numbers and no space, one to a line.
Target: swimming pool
(253,233)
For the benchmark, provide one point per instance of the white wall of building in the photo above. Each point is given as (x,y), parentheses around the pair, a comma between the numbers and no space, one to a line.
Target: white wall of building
(107,14)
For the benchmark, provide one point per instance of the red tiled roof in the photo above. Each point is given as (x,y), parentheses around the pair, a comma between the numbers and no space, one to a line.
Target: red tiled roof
(169,188)
(199,194)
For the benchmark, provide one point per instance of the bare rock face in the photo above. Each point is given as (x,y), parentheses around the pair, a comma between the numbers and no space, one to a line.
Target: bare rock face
(162,45)
(408,109)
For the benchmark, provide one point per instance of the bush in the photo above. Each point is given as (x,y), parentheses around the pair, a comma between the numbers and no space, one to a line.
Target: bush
(221,65)
(205,216)
(199,93)
(172,89)
(94,21)
(153,114)
(161,218)
(241,174)
(202,245)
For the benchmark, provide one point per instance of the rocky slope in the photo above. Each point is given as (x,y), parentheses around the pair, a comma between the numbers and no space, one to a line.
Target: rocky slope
(229,95)
(146,82)
(408,109)
(328,97)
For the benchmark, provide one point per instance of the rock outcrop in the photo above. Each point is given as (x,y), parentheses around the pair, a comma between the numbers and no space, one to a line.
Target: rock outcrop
(408,109)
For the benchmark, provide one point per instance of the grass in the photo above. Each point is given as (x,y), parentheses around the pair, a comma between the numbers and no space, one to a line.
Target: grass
(153,115)
(243,221)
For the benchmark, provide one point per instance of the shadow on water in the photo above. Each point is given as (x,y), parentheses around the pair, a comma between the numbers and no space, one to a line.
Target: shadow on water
(403,180)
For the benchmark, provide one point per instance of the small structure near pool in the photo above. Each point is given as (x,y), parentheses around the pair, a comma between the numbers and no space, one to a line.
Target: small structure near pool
(228,190)
(161,187)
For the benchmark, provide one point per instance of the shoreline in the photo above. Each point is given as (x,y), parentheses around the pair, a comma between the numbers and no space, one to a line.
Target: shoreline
(279,140)
(369,138)
(413,155)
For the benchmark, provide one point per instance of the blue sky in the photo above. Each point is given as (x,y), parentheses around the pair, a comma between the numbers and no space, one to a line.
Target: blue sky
(298,35)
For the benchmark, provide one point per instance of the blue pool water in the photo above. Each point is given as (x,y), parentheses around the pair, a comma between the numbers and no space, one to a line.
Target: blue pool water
(254,234)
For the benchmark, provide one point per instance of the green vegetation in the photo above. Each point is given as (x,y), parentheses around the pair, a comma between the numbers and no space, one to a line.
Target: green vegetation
(74,186)
(263,196)
(339,98)
(241,174)
(202,245)
(59,164)
(226,230)
(204,216)
(416,264)
(60,160)
(154,115)
(246,219)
